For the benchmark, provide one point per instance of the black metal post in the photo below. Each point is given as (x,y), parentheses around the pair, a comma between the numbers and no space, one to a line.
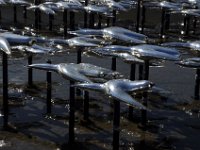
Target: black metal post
(72,20)
(186,24)
(71,113)
(0,12)
(49,89)
(138,16)
(91,20)
(86,106)
(141,67)
(116,125)
(99,21)
(24,12)
(145,95)
(51,17)
(197,81)
(5,90)
(79,58)
(39,20)
(162,28)
(194,25)
(85,15)
(36,15)
(15,13)
(30,71)
(132,78)
(108,21)
(167,20)
(143,18)
(65,22)
(114,18)
(114,64)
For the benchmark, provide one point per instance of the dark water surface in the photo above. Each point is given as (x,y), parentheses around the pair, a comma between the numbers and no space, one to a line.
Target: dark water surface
(173,123)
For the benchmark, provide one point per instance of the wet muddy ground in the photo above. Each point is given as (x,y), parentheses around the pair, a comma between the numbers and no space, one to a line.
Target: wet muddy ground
(173,122)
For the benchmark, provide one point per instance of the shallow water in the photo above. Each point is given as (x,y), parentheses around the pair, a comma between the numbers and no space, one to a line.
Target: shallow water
(173,122)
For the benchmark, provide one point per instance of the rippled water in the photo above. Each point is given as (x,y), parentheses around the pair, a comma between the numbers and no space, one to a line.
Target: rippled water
(173,122)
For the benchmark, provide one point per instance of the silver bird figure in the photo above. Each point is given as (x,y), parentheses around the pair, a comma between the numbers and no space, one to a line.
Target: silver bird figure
(194,45)
(118,33)
(193,62)
(15,39)
(82,72)
(119,89)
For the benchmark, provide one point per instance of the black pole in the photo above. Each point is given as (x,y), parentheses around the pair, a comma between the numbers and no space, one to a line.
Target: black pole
(162,28)
(72,20)
(91,20)
(141,67)
(145,95)
(79,58)
(15,13)
(85,15)
(116,125)
(24,12)
(86,106)
(39,20)
(114,18)
(167,20)
(5,90)
(65,22)
(49,89)
(194,24)
(197,81)
(114,61)
(51,17)
(36,19)
(30,71)
(71,113)
(143,18)
(132,78)
(108,21)
(187,24)
(114,64)
(0,12)
(99,21)
(138,16)
(36,15)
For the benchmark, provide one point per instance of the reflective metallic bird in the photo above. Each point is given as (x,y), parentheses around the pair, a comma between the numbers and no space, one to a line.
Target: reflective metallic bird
(164,4)
(43,8)
(194,45)
(118,33)
(35,49)
(116,51)
(143,51)
(104,10)
(82,72)
(119,89)
(147,51)
(190,62)
(14,39)
(72,42)
(192,12)
(18,2)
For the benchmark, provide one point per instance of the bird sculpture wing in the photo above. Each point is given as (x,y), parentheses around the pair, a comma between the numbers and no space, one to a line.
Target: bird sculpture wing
(5,46)
(121,95)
